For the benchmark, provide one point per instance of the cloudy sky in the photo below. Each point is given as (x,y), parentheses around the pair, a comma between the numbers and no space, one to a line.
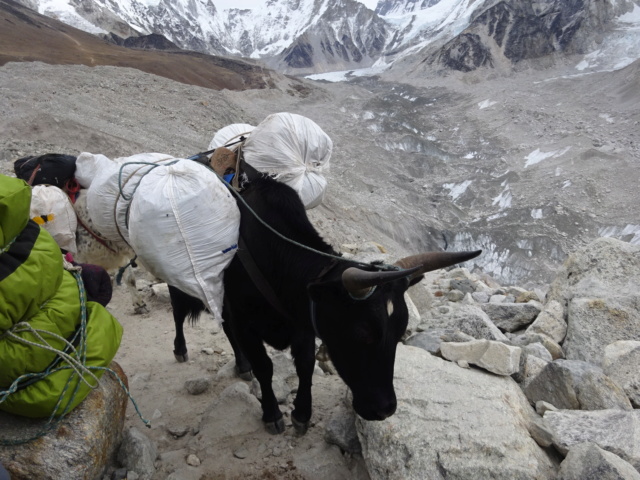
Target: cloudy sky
(222,4)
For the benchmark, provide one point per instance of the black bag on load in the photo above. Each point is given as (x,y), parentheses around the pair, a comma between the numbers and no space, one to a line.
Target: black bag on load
(48,169)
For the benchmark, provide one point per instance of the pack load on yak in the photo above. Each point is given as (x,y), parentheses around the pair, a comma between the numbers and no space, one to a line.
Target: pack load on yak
(291,148)
(50,169)
(164,208)
(54,341)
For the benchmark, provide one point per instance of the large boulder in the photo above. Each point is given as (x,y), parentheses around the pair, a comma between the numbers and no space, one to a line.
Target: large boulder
(597,285)
(573,384)
(621,361)
(587,461)
(613,430)
(80,447)
(452,423)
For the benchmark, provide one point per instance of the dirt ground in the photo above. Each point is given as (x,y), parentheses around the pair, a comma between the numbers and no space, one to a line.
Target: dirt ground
(157,384)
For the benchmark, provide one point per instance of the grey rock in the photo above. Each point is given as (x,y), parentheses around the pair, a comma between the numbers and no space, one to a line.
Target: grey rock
(455,296)
(497,298)
(469,319)
(456,336)
(594,323)
(138,453)
(92,430)
(480,297)
(587,461)
(324,461)
(528,338)
(550,322)
(438,411)
(464,285)
(241,453)
(495,357)
(622,364)
(540,432)
(197,386)
(341,430)
(530,368)
(542,407)
(613,430)
(429,340)
(537,350)
(421,296)
(511,316)
(572,384)
(235,412)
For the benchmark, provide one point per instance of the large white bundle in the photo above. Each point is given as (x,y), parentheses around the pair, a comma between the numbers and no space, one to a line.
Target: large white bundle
(184,227)
(112,188)
(88,165)
(53,211)
(295,150)
(230,133)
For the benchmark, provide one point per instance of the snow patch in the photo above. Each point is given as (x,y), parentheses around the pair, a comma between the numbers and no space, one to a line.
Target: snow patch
(505,198)
(538,156)
(536,214)
(629,233)
(457,189)
(486,104)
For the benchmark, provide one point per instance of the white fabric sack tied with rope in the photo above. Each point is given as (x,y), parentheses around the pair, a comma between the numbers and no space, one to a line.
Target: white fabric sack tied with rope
(295,150)
(230,134)
(112,188)
(184,227)
(53,211)
(88,165)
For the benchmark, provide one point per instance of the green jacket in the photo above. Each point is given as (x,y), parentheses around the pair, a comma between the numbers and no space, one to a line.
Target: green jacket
(35,288)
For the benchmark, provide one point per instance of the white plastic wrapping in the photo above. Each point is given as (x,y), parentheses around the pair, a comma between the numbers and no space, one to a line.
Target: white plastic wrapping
(108,203)
(184,226)
(295,150)
(230,133)
(53,211)
(88,165)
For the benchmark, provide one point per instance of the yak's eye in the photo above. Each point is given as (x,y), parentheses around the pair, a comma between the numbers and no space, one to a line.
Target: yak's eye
(389,307)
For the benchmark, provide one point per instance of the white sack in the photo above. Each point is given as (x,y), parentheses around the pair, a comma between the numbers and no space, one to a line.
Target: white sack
(88,165)
(184,226)
(295,150)
(53,211)
(230,133)
(105,204)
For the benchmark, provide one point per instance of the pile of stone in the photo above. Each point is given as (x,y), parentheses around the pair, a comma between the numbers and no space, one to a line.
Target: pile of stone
(549,385)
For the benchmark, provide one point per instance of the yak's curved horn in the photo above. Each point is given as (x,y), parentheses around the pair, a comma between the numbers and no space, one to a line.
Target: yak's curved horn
(426,262)
(359,283)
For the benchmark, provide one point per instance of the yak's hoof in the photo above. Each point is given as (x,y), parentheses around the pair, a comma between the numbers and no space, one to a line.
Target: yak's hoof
(300,427)
(248,375)
(275,428)
(181,358)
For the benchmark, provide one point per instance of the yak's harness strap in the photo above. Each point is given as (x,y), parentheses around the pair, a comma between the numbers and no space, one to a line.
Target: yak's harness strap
(258,279)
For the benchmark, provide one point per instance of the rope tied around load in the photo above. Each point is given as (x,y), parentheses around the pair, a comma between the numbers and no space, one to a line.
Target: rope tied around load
(74,355)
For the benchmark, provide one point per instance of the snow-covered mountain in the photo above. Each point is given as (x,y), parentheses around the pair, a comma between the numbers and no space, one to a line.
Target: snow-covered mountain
(311,36)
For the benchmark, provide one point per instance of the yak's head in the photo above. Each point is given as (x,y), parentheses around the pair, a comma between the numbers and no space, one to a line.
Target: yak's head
(360,315)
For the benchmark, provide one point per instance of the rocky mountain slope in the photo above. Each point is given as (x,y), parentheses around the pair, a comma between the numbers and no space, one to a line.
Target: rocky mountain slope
(311,36)
(29,36)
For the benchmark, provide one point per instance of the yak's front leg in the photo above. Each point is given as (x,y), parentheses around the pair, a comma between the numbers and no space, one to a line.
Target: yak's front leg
(263,371)
(303,351)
